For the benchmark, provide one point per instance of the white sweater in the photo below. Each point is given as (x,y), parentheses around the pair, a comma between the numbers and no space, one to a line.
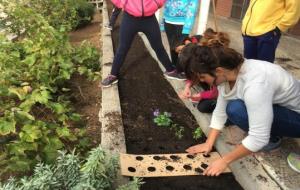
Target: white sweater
(260,85)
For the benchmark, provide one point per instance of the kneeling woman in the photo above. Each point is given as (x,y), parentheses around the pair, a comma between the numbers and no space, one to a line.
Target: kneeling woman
(261,98)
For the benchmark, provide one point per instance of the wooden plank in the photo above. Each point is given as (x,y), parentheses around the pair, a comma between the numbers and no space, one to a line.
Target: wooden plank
(161,165)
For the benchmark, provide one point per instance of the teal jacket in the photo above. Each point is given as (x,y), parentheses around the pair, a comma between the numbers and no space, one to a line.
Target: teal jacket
(181,12)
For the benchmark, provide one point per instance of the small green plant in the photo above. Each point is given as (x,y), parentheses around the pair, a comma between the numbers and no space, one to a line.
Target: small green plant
(198,133)
(98,171)
(164,120)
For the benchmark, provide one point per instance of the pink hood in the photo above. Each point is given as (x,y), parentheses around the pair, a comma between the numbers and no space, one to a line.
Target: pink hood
(139,8)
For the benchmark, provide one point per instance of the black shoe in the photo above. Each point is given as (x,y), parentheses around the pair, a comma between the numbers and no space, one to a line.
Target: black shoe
(174,75)
(109,80)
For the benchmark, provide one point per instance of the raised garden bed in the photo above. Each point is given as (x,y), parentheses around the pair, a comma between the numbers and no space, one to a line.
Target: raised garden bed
(143,89)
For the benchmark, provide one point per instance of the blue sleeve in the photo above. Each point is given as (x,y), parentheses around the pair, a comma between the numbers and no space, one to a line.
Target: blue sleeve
(190,16)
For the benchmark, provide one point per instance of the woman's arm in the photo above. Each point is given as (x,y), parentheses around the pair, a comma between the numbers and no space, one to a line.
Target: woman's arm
(218,166)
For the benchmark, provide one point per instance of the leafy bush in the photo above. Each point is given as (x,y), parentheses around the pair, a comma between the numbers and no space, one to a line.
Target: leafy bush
(98,172)
(85,12)
(35,114)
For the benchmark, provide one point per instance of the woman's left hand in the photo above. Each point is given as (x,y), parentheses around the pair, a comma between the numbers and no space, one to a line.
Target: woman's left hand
(216,168)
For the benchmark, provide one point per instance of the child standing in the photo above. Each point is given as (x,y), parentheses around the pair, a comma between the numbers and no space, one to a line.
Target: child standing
(139,17)
(179,17)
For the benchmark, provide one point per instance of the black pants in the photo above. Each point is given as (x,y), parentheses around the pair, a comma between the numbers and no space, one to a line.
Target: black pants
(175,38)
(207,106)
(114,15)
(130,26)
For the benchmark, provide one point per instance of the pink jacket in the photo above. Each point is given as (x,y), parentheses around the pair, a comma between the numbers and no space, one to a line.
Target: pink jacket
(212,93)
(139,8)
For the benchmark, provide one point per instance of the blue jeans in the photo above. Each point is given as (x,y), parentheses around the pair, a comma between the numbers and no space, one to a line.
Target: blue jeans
(285,123)
(262,47)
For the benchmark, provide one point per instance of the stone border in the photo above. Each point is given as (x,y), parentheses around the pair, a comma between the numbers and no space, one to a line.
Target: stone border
(112,132)
(249,172)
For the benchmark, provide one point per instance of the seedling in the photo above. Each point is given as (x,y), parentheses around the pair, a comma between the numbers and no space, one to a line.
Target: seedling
(164,120)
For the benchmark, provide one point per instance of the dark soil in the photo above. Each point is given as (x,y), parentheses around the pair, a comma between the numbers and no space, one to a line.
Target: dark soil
(143,89)
(86,95)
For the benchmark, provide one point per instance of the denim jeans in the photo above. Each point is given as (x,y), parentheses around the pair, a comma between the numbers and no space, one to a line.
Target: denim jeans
(262,47)
(285,122)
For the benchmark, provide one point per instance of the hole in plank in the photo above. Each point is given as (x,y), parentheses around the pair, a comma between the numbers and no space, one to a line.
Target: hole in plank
(190,156)
(174,157)
(187,167)
(151,169)
(156,157)
(199,170)
(206,155)
(139,158)
(131,169)
(204,166)
(170,168)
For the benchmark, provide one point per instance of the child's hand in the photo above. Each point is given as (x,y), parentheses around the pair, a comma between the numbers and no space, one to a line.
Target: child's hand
(196,97)
(186,93)
(179,48)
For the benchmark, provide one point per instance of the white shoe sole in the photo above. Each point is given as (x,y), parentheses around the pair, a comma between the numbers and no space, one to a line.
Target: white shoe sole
(174,78)
(109,85)
(293,167)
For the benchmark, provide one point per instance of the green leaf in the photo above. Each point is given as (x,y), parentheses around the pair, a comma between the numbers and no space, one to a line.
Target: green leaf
(58,108)
(75,117)
(19,164)
(19,148)
(63,132)
(26,115)
(17,91)
(7,127)
(30,133)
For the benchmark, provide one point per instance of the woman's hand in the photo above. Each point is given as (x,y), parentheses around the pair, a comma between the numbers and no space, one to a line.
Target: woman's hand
(216,168)
(199,148)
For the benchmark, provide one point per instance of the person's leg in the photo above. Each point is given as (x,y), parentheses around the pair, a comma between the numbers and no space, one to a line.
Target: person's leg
(206,106)
(114,15)
(285,123)
(250,47)
(128,30)
(175,37)
(267,44)
(150,28)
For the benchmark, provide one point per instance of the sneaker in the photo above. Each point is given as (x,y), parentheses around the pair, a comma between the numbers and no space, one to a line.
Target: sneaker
(293,160)
(274,143)
(174,75)
(109,80)
(108,26)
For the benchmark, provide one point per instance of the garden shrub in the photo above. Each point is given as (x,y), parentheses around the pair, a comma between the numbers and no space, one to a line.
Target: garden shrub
(36,115)
(98,172)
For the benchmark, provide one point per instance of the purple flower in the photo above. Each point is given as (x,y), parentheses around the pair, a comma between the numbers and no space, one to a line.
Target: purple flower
(156,113)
